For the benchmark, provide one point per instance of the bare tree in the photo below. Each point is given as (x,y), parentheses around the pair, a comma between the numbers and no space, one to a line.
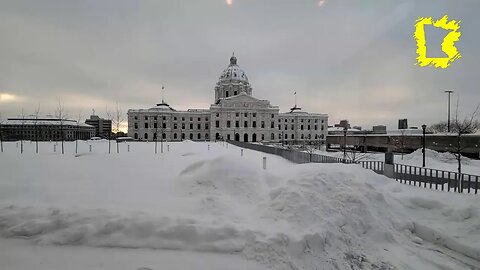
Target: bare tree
(22,115)
(440,127)
(77,132)
(468,125)
(109,135)
(1,133)
(37,112)
(61,116)
(117,121)
(400,142)
(355,155)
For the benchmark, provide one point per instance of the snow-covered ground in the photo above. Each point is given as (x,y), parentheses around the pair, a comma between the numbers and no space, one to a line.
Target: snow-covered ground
(203,206)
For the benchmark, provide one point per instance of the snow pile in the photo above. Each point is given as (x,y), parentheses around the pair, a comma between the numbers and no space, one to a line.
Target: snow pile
(446,157)
(210,199)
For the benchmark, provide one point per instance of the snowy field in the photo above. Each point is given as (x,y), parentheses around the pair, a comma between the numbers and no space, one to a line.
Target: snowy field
(204,206)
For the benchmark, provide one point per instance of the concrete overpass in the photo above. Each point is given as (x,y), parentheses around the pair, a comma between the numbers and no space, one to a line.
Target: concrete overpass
(382,142)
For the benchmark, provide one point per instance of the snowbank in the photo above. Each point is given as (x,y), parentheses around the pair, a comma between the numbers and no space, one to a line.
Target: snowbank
(309,216)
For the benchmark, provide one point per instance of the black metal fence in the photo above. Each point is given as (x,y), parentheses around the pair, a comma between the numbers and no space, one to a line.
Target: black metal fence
(436,179)
(406,174)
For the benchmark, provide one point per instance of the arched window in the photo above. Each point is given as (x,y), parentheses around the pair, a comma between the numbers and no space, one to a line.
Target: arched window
(135,136)
(226,94)
(272,137)
(206,136)
(198,136)
(174,136)
(164,136)
(145,136)
(191,136)
(183,136)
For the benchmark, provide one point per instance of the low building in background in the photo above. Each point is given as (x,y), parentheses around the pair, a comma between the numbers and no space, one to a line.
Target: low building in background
(45,129)
(379,129)
(103,127)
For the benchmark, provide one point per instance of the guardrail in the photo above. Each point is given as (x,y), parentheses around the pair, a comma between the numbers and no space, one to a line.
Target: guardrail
(406,174)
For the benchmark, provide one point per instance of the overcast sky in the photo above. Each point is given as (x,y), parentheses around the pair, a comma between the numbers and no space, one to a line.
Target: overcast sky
(350,59)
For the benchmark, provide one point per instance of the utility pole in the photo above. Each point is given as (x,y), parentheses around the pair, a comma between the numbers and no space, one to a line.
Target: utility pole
(449,92)
(423,143)
(344,144)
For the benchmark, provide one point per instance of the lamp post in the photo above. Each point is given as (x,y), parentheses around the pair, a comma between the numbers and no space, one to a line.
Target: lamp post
(423,142)
(449,92)
(344,144)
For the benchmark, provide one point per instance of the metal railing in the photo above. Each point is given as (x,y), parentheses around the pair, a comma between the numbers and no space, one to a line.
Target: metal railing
(436,179)
(406,174)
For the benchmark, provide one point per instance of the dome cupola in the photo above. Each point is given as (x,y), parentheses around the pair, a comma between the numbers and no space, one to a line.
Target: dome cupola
(232,81)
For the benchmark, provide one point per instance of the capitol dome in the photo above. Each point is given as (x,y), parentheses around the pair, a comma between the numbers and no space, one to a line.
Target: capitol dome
(232,81)
(233,72)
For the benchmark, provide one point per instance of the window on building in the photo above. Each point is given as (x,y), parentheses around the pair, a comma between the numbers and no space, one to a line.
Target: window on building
(273,115)
(206,136)
(263,137)
(293,127)
(206,125)
(286,136)
(235,93)
(272,124)
(285,120)
(322,127)
(146,125)
(175,118)
(293,136)
(237,124)
(228,124)
(206,119)
(183,118)
(145,136)
(135,125)
(218,115)
(174,136)
(286,127)
(245,124)
(191,126)
(301,127)
(199,119)
(293,120)
(226,94)
(254,114)
(175,126)
(199,126)
(136,118)
(164,118)
(154,136)
(254,124)
(191,119)
(183,125)
(155,125)
(146,118)
(279,127)
(316,127)
(155,118)
(199,136)
(191,136)
(164,125)
(135,136)
(272,136)
(308,127)
(262,124)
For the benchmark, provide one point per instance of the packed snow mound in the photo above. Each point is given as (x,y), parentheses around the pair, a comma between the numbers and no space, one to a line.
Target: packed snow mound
(445,157)
(212,199)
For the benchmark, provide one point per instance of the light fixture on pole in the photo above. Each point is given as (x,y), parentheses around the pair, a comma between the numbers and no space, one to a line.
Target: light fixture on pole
(423,143)
(449,92)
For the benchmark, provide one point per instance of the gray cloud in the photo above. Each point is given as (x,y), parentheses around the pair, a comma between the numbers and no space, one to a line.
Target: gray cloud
(350,59)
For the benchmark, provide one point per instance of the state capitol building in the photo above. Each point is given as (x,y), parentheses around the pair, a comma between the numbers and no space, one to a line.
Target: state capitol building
(235,115)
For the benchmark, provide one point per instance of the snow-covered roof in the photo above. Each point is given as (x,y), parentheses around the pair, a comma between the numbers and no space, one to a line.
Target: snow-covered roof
(44,122)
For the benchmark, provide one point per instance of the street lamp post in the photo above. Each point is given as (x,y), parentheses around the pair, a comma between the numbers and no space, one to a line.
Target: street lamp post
(344,144)
(449,92)
(423,142)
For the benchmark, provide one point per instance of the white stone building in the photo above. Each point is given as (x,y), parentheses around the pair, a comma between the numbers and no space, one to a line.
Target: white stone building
(235,115)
